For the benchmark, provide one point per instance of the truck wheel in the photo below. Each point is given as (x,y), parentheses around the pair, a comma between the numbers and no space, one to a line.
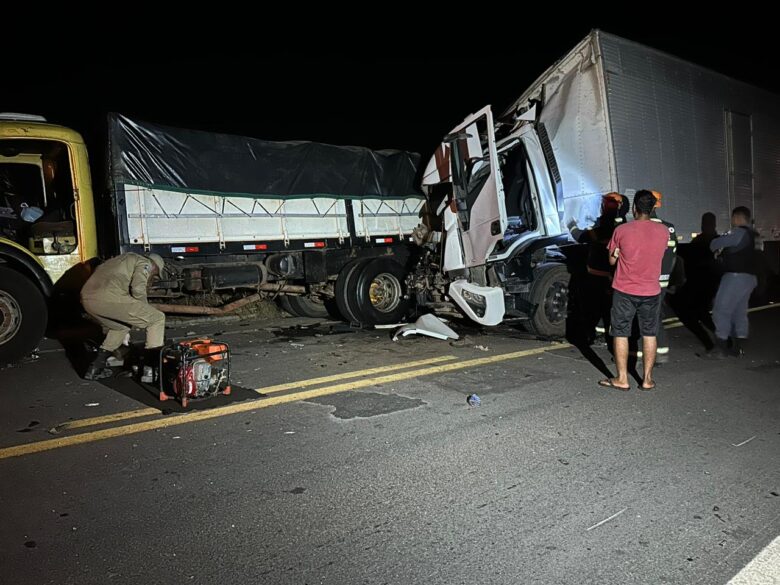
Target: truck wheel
(550,295)
(379,292)
(23,315)
(301,306)
(345,287)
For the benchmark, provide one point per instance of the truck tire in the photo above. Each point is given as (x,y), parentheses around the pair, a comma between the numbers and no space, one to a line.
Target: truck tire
(301,306)
(345,286)
(23,316)
(550,296)
(378,296)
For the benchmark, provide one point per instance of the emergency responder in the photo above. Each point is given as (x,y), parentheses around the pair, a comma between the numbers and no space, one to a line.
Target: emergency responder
(670,276)
(736,255)
(115,296)
(598,282)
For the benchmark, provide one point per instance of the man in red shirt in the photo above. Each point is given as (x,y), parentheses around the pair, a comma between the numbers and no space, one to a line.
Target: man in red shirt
(637,248)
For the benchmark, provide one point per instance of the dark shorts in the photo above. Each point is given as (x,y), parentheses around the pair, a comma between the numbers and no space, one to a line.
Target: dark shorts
(646,309)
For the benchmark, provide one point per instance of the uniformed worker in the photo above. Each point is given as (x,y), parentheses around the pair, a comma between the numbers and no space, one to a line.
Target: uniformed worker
(598,283)
(115,296)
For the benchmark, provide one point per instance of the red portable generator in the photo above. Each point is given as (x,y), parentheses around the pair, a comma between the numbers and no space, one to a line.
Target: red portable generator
(194,369)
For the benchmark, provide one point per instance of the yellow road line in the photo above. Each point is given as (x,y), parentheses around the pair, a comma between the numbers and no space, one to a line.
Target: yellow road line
(356,374)
(90,437)
(108,418)
(126,415)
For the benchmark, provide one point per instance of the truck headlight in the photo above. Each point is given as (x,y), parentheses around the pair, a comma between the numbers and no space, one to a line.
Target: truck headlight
(477,302)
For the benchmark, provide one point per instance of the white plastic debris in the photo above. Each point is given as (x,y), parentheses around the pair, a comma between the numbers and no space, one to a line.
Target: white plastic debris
(429,325)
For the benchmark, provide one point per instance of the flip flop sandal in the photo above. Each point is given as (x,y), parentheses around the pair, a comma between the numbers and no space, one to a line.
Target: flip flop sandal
(609,384)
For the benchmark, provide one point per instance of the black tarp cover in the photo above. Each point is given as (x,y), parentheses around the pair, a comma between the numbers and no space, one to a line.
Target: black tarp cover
(192,161)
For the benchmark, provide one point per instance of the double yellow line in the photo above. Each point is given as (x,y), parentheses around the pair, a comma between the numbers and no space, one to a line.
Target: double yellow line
(438,365)
(235,408)
(142,412)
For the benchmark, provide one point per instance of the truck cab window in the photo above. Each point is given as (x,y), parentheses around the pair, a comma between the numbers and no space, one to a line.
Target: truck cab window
(37,202)
(518,185)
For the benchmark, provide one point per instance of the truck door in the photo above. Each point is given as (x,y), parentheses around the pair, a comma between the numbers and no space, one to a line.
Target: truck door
(467,158)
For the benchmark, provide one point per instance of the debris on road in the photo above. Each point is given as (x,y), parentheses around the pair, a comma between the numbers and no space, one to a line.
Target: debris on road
(429,325)
(744,442)
(606,520)
(92,404)
(473,400)
(482,347)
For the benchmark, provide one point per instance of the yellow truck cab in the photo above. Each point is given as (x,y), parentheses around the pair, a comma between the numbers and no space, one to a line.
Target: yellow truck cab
(47,223)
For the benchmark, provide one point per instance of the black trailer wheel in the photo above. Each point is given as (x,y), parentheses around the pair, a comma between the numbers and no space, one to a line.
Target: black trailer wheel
(23,315)
(550,295)
(301,306)
(379,292)
(345,286)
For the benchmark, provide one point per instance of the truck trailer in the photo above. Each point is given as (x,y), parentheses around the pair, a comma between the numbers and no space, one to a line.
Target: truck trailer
(235,218)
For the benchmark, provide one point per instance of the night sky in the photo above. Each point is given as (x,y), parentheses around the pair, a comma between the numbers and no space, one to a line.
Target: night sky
(352,92)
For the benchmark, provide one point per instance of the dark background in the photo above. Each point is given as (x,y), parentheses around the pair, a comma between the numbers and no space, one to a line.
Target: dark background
(402,90)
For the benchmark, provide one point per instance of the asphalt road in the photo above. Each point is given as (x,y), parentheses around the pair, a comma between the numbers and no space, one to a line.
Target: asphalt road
(360,462)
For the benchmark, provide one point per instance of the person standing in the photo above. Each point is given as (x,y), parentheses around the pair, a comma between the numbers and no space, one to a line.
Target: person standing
(115,296)
(706,273)
(735,253)
(637,248)
(598,281)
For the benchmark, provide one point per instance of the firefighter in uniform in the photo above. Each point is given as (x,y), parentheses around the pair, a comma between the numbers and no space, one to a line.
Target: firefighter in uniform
(115,296)
(670,275)
(598,283)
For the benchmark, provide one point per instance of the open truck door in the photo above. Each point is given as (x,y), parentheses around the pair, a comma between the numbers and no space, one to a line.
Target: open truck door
(474,215)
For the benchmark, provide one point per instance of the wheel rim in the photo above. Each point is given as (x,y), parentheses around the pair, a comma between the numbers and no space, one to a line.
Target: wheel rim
(10,317)
(556,302)
(385,292)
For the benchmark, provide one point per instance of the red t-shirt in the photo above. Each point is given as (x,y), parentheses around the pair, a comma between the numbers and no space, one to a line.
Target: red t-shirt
(642,245)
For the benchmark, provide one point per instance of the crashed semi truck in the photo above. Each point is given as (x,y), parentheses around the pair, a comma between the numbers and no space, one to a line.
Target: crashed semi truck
(612,115)
(323,228)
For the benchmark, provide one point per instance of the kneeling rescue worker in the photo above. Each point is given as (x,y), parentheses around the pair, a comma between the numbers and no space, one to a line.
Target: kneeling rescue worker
(115,296)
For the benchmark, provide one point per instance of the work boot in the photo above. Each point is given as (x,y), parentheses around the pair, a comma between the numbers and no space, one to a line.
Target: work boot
(97,370)
(719,352)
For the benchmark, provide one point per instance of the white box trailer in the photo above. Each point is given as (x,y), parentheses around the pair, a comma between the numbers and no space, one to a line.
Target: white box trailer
(612,115)
(622,117)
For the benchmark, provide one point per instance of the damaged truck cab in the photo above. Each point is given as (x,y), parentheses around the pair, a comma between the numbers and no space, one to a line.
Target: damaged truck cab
(497,190)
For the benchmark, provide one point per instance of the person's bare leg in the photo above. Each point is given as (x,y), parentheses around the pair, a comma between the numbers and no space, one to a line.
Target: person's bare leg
(621,362)
(649,348)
